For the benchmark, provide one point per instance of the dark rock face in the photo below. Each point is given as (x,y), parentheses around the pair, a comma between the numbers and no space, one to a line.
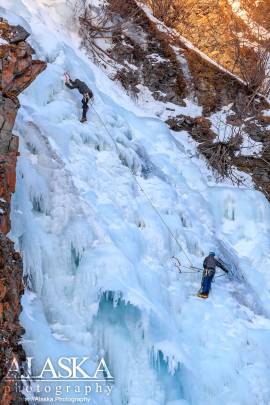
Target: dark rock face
(11,288)
(199,128)
(17,71)
(18,34)
(147,58)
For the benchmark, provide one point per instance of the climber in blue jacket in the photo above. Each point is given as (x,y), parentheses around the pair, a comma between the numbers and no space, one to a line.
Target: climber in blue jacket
(209,265)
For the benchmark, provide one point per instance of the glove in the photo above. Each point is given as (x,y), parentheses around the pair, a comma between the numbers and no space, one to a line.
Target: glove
(66,77)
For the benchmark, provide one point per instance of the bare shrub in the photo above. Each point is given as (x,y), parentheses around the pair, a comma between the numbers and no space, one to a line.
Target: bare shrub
(254,71)
(168,11)
(95,26)
(251,48)
(220,158)
(100,24)
(251,62)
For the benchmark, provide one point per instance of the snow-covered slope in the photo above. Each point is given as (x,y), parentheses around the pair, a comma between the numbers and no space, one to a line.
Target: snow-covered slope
(98,257)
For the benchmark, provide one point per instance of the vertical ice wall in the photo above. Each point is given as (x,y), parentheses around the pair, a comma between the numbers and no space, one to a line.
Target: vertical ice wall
(98,259)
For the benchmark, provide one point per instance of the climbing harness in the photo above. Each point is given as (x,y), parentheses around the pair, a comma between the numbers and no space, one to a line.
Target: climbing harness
(220,275)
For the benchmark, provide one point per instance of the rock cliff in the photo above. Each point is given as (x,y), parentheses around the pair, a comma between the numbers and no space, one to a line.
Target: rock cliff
(17,71)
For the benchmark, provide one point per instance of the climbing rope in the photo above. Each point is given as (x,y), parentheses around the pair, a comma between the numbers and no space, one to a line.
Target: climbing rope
(164,222)
(194,269)
(178,265)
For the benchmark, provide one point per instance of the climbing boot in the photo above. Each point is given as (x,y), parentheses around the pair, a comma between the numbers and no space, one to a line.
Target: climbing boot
(83,119)
(202,295)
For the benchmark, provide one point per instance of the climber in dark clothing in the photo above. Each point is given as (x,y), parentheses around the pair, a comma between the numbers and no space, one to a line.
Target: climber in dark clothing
(209,265)
(83,89)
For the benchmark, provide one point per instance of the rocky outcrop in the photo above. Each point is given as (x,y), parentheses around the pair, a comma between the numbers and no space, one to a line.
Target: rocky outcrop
(258,167)
(215,27)
(11,289)
(17,71)
(161,61)
(155,57)
(155,63)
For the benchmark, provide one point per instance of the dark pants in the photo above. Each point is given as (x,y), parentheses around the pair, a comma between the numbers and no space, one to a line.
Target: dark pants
(85,106)
(207,279)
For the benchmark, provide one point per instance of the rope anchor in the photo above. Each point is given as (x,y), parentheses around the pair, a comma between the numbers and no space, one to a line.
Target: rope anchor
(178,265)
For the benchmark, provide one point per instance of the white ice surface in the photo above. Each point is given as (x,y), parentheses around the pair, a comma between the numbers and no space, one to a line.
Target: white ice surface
(86,230)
